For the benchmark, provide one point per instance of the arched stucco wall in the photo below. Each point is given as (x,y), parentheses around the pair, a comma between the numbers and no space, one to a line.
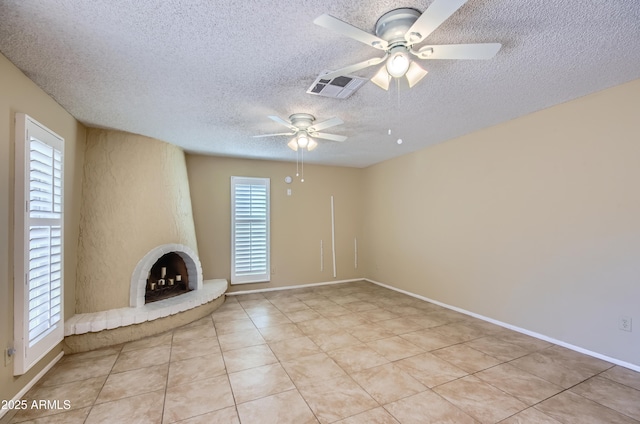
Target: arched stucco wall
(135,197)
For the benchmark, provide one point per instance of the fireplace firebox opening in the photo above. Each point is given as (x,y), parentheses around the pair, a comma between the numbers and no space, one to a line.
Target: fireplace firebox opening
(167,278)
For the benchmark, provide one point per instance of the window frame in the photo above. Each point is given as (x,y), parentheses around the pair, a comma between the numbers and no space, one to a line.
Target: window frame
(251,277)
(26,219)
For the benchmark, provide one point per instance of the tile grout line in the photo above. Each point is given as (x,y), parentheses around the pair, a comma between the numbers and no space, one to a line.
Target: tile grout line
(166,384)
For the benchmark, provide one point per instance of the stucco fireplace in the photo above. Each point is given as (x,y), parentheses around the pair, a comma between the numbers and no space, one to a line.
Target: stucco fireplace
(121,180)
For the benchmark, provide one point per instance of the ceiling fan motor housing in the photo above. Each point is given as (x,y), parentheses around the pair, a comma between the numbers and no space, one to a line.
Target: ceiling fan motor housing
(302,120)
(393,25)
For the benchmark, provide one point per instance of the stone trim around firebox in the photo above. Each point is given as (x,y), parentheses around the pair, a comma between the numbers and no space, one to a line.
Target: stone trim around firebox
(121,317)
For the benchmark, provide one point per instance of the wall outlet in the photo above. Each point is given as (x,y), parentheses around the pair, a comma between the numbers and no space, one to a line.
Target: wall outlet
(9,353)
(624,323)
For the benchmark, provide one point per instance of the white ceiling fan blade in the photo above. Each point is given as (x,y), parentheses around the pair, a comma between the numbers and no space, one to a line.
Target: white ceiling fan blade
(272,135)
(438,12)
(281,121)
(479,51)
(414,74)
(325,124)
(332,137)
(335,24)
(355,67)
(382,78)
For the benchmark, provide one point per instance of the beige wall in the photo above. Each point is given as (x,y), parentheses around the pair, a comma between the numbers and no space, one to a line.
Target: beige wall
(19,94)
(298,222)
(535,222)
(135,197)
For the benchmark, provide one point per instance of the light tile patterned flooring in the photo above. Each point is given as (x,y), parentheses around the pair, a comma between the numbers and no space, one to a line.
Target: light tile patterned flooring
(347,353)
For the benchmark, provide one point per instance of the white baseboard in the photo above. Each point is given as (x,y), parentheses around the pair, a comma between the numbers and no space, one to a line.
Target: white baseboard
(514,328)
(300,286)
(33,382)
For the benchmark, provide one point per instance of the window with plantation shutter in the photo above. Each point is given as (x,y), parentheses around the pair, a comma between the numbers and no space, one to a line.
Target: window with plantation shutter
(38,236)
(249,230)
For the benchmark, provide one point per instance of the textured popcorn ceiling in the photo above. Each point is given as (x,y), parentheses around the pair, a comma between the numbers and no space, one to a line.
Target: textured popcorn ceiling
(205,74)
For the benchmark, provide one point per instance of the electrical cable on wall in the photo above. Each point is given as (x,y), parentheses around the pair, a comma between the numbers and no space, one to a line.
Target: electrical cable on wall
(333,238)
(355,252)
(321,256)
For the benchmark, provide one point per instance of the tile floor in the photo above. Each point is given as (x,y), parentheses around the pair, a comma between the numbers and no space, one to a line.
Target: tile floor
(347,353)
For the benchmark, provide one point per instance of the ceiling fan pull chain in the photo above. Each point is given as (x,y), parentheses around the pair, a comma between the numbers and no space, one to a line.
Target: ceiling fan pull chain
(297,170)
(302,165)
(396,109)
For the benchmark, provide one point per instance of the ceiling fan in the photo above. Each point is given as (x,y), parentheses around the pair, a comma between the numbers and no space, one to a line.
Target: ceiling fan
(303,129)
(397,32)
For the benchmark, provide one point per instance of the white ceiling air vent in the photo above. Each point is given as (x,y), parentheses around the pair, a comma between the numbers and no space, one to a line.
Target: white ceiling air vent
(339,87)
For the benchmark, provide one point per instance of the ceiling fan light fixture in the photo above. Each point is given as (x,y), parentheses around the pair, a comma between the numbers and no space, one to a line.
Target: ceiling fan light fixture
(382,78)
(312,144)
(398,62)
(303,140)
(414,74)
(293,144)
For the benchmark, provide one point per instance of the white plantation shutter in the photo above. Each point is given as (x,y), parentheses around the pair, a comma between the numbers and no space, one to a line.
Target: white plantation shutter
(38,242)
(249,230)
(45,280)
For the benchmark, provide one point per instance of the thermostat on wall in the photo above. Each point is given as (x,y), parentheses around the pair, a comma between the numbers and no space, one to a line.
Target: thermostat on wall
(287,179)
